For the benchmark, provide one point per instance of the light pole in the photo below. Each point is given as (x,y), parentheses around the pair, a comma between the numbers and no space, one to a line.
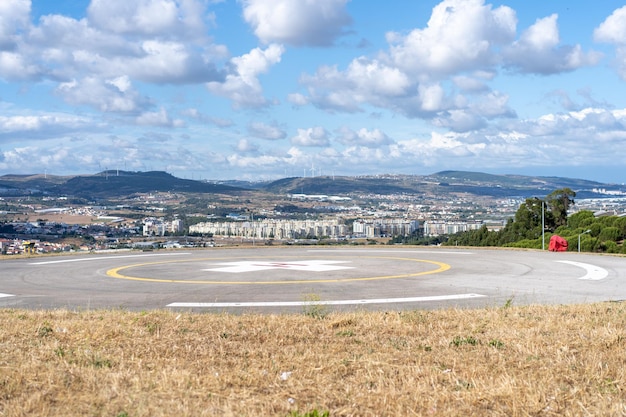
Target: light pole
(543,228)
(586,231)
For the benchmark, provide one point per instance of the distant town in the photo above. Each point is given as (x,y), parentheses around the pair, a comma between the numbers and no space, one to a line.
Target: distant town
(37,222)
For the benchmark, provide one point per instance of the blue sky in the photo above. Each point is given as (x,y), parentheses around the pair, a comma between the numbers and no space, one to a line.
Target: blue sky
(263,89)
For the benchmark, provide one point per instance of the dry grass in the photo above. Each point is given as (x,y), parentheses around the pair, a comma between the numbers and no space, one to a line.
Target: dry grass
(509,361)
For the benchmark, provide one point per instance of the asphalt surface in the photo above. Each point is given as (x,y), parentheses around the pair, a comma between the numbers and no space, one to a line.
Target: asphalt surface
(290,279)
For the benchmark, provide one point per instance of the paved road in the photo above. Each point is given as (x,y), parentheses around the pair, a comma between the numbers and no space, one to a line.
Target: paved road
(287,279)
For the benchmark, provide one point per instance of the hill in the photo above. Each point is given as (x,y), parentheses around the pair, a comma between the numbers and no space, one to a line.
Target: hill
(344,185)
(108,184)
(440,183)
(122,183)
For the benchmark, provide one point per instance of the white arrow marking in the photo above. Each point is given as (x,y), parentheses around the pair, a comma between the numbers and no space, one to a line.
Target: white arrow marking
(6,295)
(328,303)
(593,272)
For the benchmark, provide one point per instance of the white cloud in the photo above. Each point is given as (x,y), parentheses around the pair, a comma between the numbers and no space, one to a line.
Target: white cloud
(149,40)
(460,35)
(114,95)
(253,161)
(265,131)
(242,86)
(314,136)
(538,51)
(363,81)
(298,99)
(459,120)
(431,97)
(157,118)
(470,84)
(246,146)
(15,67)
(297,22)
(363,137)
(204,118)
(14,15)
(46,125)
(148,17)
(613,31)
(463,46)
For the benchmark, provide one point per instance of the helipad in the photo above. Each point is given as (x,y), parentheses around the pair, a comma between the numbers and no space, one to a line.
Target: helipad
(288,271)
(288,278)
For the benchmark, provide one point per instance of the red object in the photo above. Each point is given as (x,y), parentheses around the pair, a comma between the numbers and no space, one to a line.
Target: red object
(557,244)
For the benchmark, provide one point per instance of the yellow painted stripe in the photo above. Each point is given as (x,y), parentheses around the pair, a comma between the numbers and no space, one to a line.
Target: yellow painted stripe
(115,273)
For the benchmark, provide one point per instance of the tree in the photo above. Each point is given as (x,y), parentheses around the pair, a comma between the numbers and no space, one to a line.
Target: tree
(620,223)
(528,221)
(583,219)
(610,234)
(559,202)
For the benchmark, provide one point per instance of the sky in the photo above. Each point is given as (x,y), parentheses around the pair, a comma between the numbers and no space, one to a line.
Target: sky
(266,89)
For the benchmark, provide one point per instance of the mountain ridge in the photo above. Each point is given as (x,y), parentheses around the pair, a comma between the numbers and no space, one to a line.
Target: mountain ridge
(114,183)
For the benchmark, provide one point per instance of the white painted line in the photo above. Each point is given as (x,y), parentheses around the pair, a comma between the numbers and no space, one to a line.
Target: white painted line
(328,303)
(61,261)
(594,272)
(417,251)
(6,295)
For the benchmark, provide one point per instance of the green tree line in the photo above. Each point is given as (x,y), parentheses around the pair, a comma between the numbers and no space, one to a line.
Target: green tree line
(596,234)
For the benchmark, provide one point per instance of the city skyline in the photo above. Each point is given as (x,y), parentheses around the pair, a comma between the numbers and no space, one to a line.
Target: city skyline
(264,89)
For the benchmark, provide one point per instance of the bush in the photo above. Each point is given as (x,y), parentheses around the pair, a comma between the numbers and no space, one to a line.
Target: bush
(611,247)
(610,234)
(526,243)
(582,219)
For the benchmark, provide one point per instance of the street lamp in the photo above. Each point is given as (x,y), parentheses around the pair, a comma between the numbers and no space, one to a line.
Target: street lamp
(543,223)
(586,231)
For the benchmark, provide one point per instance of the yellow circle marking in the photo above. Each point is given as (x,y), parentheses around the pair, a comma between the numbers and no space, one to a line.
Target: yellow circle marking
(115,273)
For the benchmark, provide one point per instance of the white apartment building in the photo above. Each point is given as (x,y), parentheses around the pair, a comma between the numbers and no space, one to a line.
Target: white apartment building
(437,228)
(273,229)
(371,228)
(157,227)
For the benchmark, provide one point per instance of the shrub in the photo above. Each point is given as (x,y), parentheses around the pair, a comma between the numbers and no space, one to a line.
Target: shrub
(610,234)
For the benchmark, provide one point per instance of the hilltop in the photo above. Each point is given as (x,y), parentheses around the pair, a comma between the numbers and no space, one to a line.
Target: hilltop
(108,184)
(440,183)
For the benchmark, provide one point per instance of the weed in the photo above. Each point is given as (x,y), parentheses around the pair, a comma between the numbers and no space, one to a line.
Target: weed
(312,307)
(459,341)
(101,363)
(313,413)
(498,344)
(45,330)
(60,352)
(463,385)
(153,328)
(399,343)
(609,385)
(508,303)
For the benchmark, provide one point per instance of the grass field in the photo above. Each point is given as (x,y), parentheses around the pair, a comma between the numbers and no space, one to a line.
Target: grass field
(502,361)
